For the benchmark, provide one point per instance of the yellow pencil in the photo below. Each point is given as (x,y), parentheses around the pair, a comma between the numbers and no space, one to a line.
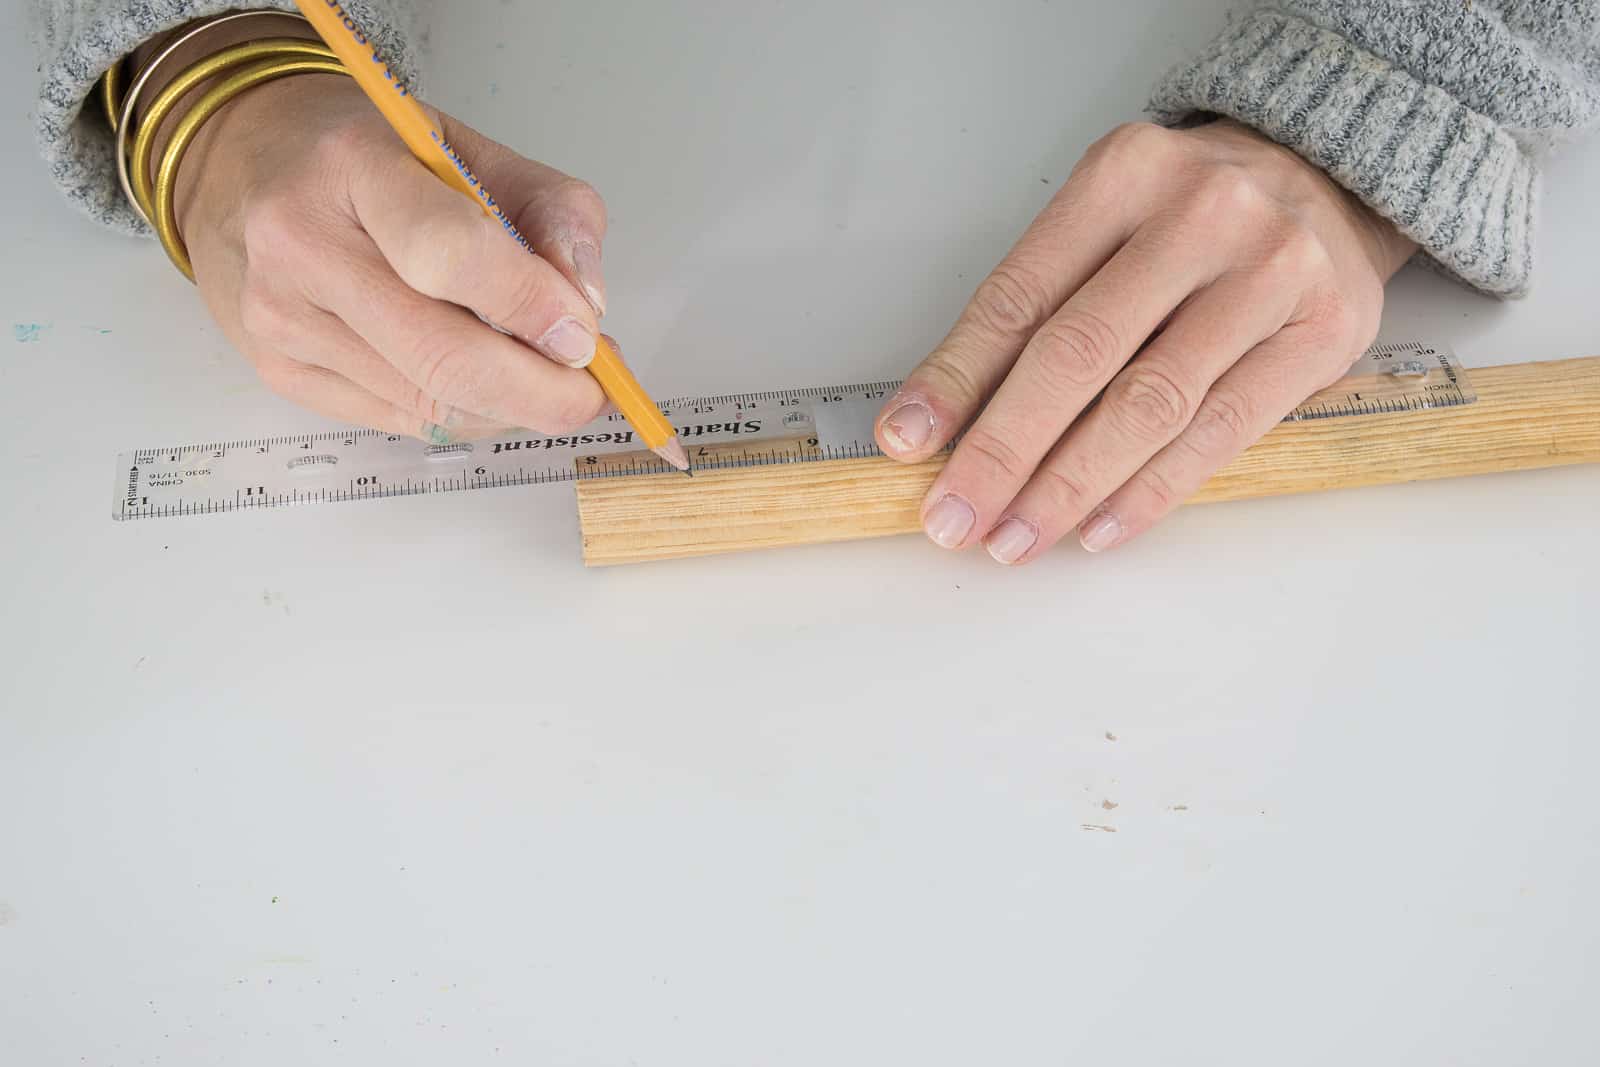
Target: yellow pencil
(426,141)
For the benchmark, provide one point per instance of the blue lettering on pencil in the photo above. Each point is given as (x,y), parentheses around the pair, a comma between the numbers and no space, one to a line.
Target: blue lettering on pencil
(473,182)
(361,39)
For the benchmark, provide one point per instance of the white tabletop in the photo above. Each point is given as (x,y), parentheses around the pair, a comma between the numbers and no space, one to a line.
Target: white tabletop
(402,782)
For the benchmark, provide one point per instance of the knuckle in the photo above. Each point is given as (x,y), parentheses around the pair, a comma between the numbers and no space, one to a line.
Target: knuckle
(1065,493)
(429,408)
(1158,488)
(1124,156)
(443,366)
(1232,191)
(1150,403)
(272,226)
(1130,141)
(1225,199)
(1224,419)
(581,198)
(947,377)
(1077,349)
(341,141)
(528,302)
(262,315)
(1011,300)
(992,450)
(1298,253)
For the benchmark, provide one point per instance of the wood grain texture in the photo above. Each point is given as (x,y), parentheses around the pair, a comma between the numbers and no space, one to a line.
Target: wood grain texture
(1527,416)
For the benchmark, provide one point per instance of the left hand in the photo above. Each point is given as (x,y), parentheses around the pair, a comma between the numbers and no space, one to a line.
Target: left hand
(1207,280)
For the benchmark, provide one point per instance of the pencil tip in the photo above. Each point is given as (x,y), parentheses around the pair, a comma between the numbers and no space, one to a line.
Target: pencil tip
(673,452)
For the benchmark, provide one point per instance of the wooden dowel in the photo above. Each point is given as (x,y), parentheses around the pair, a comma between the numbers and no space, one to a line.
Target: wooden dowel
(1527,416)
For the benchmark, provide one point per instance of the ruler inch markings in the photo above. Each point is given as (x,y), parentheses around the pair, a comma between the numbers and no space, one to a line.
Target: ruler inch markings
(803,425)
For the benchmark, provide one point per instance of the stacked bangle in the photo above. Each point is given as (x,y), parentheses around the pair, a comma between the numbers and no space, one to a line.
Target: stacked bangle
(237,69)
(125,107)
(111,95)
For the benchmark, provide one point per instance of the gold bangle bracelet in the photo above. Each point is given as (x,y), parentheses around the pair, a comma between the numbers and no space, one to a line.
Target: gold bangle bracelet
(128,112)
(165,214)
(161,109)
(111,94)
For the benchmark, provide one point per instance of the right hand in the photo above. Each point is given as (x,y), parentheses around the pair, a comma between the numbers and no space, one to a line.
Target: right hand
(349,274)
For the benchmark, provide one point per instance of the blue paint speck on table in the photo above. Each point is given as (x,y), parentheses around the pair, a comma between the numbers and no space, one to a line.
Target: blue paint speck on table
(26,332)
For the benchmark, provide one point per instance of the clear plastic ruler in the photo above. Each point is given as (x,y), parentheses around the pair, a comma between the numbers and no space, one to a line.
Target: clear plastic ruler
(740,430)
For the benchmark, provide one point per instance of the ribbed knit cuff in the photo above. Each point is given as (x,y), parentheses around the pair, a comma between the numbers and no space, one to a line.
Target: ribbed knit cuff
(70,129)
(1451,179)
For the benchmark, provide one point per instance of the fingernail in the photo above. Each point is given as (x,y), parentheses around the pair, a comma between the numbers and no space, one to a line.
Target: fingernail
(568,341)
(436,434)
(586,260)
(1100,531)
(949,521)
(908,427)
(1011,540)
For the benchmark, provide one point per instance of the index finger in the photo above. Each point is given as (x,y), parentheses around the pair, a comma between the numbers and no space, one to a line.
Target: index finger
(442,245)
(1095,213)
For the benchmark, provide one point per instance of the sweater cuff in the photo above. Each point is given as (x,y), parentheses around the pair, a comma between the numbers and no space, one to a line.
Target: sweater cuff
(1449,178)
(72,134)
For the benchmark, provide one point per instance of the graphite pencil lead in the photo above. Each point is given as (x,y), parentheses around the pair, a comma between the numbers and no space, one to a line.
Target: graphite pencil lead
(673,452)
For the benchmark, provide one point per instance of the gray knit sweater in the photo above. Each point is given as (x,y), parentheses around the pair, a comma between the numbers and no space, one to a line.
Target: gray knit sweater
(78,39)
(1434,112)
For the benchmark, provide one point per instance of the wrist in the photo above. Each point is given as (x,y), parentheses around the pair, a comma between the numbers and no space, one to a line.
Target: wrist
(1386,248)
(1395,249)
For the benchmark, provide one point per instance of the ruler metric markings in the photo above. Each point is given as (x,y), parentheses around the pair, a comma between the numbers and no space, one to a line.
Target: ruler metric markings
(1392,378)
(720,432)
